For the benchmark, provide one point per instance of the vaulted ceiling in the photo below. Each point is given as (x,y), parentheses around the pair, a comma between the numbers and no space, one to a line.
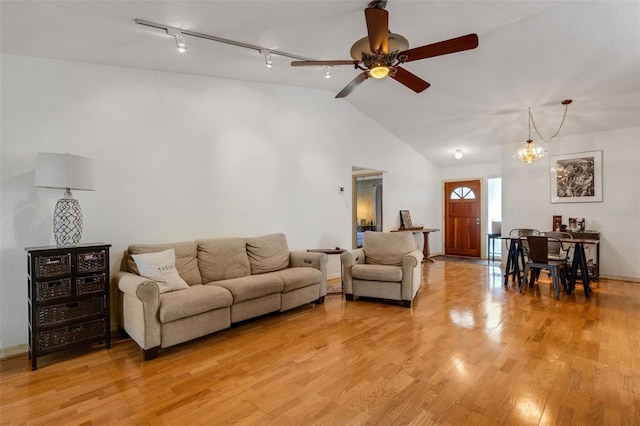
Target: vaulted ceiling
(530,54)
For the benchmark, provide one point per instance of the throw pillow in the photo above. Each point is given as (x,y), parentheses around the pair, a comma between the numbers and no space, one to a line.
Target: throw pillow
(161,268)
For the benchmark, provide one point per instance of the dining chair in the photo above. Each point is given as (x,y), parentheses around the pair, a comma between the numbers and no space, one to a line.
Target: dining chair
(537,253)
(556,249)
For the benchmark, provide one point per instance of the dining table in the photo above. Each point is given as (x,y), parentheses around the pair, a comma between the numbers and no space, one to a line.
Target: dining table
(579,266)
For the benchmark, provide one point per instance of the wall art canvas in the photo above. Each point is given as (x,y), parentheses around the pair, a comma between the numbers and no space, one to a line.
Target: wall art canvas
(576,178)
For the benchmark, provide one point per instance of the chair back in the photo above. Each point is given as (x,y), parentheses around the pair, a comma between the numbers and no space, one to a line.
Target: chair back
(556,249)
(387,248)
(538,248)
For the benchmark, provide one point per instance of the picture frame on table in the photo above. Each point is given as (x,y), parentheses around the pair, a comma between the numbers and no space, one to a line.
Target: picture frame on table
(405,219)
(557,223)
(576,178)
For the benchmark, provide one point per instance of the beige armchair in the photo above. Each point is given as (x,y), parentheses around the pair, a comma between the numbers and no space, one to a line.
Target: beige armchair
(388,266)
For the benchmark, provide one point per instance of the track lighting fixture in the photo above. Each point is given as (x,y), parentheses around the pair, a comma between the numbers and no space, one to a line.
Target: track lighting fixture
(327,72)
(181,45)
(458,154)
(268,63)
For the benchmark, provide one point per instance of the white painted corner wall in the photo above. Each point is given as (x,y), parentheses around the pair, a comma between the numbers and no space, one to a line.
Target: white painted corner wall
(181,157)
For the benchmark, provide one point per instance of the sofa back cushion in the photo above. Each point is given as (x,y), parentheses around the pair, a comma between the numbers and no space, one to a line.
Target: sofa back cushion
(268,253)
(222,259)
(387,248)
(186,258)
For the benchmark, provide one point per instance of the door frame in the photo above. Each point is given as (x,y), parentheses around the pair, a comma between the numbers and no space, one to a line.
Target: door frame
(354,199)
(483,212)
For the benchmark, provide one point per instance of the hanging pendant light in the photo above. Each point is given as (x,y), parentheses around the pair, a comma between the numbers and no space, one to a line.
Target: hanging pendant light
(530,151)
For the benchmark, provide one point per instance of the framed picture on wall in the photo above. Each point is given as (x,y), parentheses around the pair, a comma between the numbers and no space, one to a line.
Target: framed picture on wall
(405,219)
(576,178)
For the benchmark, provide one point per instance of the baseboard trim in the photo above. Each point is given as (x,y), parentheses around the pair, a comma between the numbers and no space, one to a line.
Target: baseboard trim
(12,351)
(617,278)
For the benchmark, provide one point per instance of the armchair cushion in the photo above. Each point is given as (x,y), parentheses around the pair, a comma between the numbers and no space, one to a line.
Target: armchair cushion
(387,248)
(389,273)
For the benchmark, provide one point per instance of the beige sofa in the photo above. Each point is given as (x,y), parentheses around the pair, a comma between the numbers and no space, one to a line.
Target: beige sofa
(229,280)
(388,266)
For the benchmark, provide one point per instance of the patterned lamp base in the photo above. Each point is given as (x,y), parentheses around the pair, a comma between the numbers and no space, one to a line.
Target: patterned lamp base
(67,222)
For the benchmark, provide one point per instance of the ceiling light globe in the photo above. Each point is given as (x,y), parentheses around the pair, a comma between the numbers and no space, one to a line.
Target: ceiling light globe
(379,71)
(458,154)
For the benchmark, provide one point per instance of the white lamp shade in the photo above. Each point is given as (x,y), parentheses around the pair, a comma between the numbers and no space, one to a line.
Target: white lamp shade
(64,171)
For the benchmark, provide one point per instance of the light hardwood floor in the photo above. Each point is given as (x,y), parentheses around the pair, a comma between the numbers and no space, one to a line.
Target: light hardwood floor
(470,351)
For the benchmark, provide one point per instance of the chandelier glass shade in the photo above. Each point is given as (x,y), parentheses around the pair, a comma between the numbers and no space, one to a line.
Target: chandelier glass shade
(529,152)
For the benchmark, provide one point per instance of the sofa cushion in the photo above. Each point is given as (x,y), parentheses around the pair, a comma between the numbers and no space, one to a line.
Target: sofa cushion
(192,301)
(295,278)
(161,267)
(251,287)
(387,248)
(390,273)
(223,258)
(268,253)
(186,259)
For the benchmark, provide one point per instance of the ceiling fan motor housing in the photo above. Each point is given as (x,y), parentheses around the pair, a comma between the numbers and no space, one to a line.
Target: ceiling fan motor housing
(396,43)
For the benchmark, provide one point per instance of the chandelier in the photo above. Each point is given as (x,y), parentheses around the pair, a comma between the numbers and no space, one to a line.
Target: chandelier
(530,151)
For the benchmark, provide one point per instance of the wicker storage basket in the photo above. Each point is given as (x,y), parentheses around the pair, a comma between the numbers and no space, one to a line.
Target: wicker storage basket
(51,266)
(56,289)
(58,337)
(91,261)
(90,284)
(54,314)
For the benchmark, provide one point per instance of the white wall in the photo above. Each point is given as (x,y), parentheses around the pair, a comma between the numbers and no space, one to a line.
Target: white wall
(181,157)
(526,195)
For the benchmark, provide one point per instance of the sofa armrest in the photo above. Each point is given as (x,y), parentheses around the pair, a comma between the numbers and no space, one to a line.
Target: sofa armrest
(138,313)
(311,260)
(411,274)
(348,259)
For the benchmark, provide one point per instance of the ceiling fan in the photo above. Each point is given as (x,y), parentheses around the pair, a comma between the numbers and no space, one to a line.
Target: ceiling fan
(381,53)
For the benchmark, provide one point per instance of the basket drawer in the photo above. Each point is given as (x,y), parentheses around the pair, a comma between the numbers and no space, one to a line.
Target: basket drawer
(59,337)
(90,284)
(92,261)
(51,266)
(54,314)
(55,289)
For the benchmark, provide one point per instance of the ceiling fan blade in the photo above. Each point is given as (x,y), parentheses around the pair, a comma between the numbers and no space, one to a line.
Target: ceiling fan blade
(323,63)
(378,29)
(458,44)
(354,83)
(410,80)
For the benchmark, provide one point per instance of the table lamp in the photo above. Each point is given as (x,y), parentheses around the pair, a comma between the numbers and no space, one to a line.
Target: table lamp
(65,171)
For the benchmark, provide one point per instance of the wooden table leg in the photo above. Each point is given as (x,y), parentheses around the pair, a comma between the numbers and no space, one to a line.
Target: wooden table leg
(425,249)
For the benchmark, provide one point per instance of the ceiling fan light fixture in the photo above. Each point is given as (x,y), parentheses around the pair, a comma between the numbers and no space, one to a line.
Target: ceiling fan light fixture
(379,71)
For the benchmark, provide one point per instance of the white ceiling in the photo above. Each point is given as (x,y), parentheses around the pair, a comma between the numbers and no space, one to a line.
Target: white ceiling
(531,53)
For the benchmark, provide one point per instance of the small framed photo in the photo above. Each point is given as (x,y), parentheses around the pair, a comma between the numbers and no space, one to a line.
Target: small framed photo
(576,178)
(557,224)
(405,219)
